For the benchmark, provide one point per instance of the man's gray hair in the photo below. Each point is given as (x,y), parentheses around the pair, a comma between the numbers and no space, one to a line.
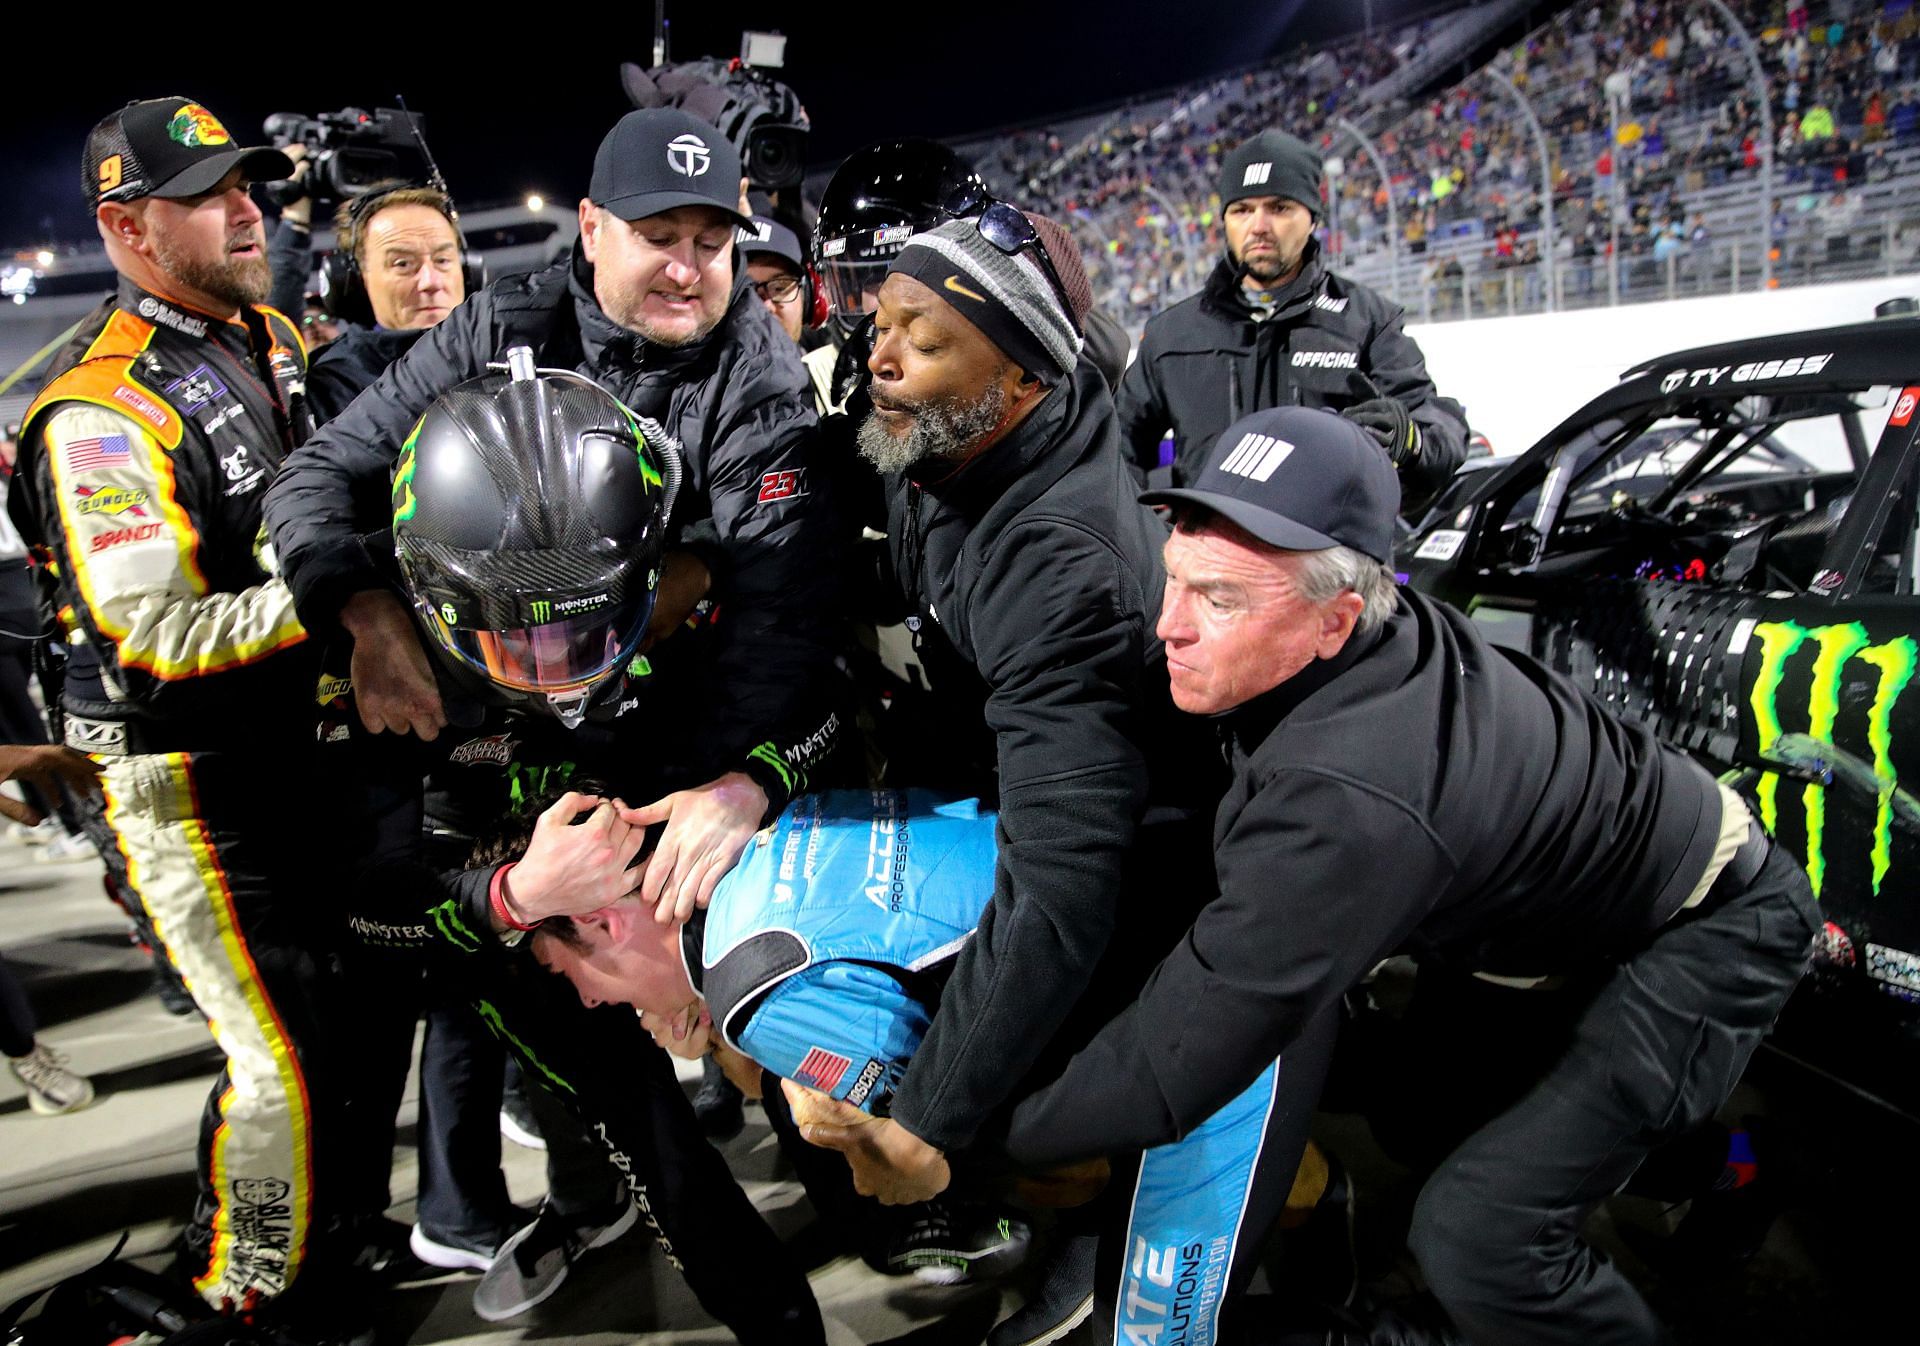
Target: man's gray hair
(1331,572)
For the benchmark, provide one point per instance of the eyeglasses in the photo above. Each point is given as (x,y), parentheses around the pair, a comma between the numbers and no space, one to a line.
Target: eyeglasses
(1009,230)
(778,289)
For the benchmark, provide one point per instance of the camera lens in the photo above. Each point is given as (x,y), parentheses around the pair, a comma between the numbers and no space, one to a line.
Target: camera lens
(776,156)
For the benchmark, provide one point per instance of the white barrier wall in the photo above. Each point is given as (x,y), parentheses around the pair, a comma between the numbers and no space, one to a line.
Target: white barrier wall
(1519,377)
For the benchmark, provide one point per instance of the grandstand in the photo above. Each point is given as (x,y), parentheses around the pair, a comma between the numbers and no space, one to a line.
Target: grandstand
(1655,132)
(1657,144)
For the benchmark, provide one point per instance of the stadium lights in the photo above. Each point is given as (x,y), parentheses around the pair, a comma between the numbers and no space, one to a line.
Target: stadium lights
(43,257)
(536,202)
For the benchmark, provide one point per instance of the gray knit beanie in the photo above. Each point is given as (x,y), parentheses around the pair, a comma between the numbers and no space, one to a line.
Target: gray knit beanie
(1009,299)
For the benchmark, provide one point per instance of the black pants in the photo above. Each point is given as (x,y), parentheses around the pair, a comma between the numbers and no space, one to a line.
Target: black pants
(1653,1049)
(17,1024)
(622,1091)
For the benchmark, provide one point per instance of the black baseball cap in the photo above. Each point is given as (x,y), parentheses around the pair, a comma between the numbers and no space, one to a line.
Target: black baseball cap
(1300,479)
(763,235)
(658,158)
(168,147)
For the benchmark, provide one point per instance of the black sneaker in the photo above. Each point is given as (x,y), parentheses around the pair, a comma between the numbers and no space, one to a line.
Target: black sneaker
(944,1243)
(533,1263)
(379,1248)
(718,1105)
(1062,1304)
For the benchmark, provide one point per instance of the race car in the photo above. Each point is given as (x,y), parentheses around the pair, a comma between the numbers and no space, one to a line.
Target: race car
(1723,546)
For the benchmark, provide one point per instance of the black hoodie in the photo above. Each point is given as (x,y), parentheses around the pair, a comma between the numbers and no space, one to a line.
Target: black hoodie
(1327,342)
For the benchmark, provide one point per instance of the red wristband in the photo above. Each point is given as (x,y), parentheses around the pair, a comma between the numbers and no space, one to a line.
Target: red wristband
(497,895)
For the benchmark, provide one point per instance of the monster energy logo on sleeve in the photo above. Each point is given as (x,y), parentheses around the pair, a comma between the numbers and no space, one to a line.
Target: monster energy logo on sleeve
(1835,647)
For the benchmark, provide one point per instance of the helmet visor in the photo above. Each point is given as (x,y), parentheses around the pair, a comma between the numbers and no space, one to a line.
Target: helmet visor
(553,656)
(854,266)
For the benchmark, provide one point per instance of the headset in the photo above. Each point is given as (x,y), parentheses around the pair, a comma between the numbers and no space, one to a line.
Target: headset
(343,291)
(813,302)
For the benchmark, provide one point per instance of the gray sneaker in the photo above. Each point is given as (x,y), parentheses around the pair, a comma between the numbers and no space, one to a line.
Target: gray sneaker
(532,1264)
(51,1088)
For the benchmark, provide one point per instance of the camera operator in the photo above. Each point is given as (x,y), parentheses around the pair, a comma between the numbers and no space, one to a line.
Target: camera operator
(290,246)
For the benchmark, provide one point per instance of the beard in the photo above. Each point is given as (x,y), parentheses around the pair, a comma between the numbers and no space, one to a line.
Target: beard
(240,281)
(1271,267)
(943,428)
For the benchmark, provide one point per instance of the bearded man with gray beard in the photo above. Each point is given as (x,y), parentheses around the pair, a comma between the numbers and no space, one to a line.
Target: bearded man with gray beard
(1032,580)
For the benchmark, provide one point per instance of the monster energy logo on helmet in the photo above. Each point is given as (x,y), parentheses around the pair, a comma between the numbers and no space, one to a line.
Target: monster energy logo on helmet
(1835,649)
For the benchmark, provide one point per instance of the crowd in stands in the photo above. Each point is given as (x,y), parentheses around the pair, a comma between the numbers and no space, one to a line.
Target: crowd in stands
(1647,106)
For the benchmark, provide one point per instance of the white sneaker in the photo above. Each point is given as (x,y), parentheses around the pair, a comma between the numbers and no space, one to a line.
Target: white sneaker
(51,1088)
(65,848)
(26,836)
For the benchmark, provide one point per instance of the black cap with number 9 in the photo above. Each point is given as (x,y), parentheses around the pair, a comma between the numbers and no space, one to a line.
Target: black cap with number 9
(168,147)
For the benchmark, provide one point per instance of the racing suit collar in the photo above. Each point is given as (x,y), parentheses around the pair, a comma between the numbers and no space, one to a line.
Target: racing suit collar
(167,312)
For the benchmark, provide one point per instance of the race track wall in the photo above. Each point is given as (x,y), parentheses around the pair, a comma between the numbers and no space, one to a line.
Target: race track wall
(1519,377)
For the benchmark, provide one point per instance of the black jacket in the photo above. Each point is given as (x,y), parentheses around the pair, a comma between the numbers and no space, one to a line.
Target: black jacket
(1426,792)
(1034,570)
(346,366)
(1329,342)
(738,401)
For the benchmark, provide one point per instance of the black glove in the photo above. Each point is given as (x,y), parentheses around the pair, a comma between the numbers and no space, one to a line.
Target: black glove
(1387,421)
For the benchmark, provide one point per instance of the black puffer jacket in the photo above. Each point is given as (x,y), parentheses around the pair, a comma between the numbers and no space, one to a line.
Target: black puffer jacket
(1035,575)
(344,367)
(738,401)
(1329,342)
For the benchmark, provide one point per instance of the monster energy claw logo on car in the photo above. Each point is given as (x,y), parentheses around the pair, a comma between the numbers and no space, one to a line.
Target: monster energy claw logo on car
(1836,650)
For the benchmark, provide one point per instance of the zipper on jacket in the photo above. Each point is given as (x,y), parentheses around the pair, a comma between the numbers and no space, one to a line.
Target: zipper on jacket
(916,555)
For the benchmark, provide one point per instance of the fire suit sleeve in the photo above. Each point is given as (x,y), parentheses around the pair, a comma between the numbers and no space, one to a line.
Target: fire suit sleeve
(844,1028)
(129,525)
(1142,410)
(1319,880)
(773,513)
(1068,682)
(333,491)
(1399,369)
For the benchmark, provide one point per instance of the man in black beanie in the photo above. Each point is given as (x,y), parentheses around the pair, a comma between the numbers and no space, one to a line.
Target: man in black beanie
(1273,327)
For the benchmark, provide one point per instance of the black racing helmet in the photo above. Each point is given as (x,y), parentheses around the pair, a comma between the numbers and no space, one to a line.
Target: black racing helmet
(874,202)
(530,511)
